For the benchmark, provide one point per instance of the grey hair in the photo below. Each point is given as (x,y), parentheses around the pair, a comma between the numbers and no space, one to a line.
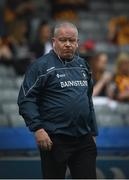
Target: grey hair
(64,25)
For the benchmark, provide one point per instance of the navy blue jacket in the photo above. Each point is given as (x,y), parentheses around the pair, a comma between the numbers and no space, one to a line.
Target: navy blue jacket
(57,95)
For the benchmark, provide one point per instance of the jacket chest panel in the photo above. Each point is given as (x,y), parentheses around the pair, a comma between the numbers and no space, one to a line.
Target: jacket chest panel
(68,77)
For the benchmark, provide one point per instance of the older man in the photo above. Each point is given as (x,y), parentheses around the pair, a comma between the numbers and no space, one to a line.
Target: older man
(56,104)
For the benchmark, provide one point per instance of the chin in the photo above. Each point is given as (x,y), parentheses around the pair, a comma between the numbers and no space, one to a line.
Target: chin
(68,56)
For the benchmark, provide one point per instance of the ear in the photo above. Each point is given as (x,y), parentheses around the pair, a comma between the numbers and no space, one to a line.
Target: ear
(77,42)
(77,46)
(53,42)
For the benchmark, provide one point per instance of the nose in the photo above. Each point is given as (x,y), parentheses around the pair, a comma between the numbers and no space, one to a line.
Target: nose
(68,43)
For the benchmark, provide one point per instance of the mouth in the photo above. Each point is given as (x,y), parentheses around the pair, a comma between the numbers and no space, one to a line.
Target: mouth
(68,51)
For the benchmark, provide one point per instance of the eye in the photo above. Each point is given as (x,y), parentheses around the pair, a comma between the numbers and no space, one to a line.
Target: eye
(72,40)
(62,40)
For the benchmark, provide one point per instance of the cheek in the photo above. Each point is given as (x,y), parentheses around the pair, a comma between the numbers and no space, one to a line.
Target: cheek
(59,46)
(75,47)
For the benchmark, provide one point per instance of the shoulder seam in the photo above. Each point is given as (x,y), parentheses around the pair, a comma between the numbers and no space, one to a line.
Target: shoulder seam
(26,93)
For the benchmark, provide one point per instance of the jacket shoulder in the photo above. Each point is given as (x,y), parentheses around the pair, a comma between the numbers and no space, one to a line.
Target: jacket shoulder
(40,65)
(84,63)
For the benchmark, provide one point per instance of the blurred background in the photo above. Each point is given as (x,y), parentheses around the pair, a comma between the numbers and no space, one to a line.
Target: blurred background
(25,34)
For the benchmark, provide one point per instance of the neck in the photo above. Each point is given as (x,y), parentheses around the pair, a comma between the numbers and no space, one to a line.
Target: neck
(63,58)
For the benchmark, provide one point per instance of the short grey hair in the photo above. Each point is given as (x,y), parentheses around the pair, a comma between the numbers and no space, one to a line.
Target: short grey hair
(64,25)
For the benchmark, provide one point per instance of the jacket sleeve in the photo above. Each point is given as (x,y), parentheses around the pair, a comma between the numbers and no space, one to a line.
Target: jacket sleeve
(28,97)
(92,122)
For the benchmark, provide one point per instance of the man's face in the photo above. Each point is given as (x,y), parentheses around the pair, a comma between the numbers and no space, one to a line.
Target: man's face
(66,42)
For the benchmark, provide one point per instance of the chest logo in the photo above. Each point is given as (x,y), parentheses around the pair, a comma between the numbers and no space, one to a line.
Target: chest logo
(73,83)
(60,75)
(84,75)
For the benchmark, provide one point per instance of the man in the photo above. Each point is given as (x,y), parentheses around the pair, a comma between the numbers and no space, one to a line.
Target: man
(55,101)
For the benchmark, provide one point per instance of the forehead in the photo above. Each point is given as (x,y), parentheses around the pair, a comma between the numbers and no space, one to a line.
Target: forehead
(67,32)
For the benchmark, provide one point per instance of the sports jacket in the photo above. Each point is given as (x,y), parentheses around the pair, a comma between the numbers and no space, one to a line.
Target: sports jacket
(57,95)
